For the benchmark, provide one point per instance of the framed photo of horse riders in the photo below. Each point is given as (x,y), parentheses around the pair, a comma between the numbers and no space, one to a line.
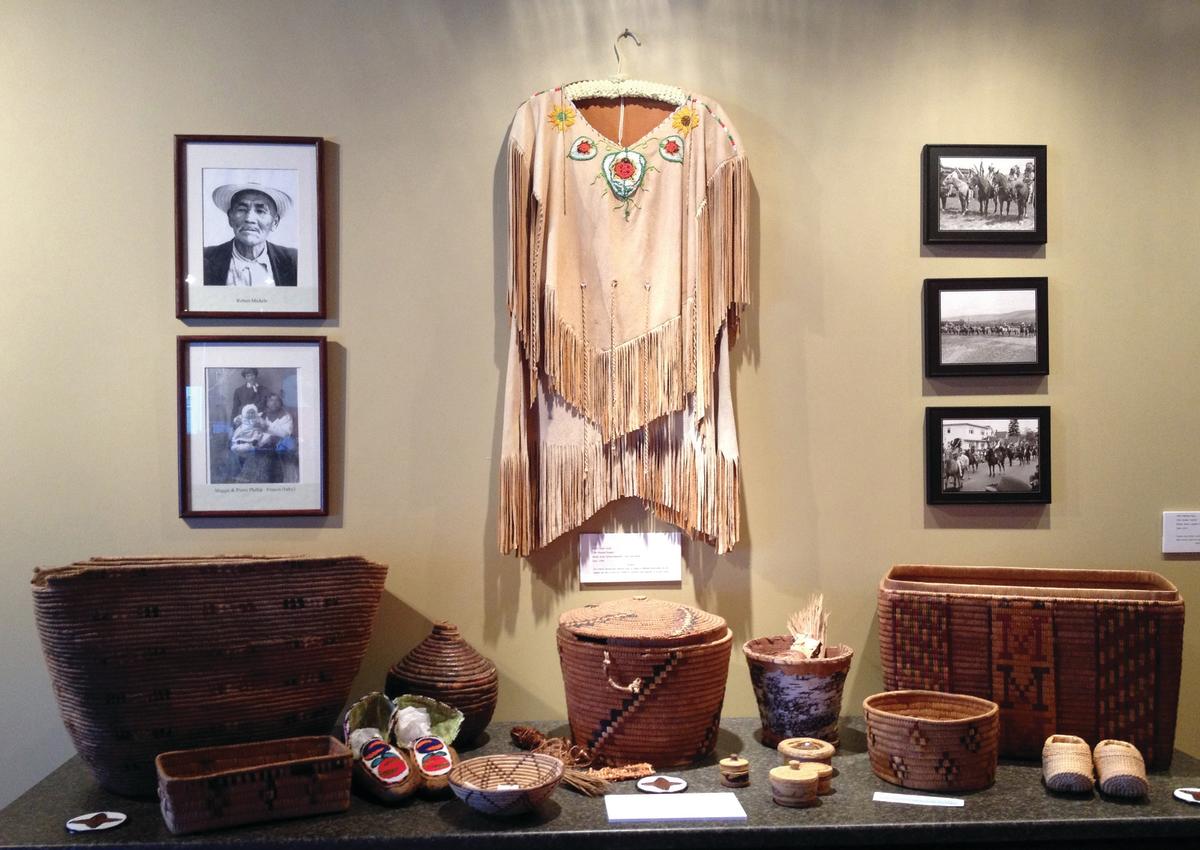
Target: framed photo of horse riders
(986,326)
(249,227)
(987,455)
(252,426)
(984,194)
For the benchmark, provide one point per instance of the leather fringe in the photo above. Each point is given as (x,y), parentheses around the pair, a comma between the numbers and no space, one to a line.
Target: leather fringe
(647,371)
(680,482)
(525,259)
(723,289)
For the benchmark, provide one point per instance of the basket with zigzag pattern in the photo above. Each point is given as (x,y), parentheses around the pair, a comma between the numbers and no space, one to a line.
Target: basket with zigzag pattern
(645,680)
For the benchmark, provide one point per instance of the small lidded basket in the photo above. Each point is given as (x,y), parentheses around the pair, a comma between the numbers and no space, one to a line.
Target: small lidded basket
(933,741)
(644,679)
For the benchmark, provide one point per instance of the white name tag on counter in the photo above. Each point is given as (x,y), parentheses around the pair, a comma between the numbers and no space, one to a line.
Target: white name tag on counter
(1181,531)
(722,805)
(630,558)
(917,800)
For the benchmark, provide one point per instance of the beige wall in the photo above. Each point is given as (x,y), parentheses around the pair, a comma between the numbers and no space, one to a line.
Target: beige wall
(833,102)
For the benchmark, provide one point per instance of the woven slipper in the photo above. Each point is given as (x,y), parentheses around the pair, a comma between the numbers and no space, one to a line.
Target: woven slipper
(1121,769)
(1067,764)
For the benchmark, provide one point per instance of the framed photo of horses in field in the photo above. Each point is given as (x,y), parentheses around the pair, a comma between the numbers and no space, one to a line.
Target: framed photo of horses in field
(986,326)
(990,194)
(987,455)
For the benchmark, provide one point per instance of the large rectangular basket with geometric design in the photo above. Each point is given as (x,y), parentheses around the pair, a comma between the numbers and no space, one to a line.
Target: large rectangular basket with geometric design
(148,655)
(1093,653)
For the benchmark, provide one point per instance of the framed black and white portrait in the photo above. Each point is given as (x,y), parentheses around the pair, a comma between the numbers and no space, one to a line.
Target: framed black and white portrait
(249,227)
(986,326)
(984,194)
(987,455)
(252,426)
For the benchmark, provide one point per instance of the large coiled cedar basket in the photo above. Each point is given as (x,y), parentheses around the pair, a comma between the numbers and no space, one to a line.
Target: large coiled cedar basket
(148,655)
(645,679)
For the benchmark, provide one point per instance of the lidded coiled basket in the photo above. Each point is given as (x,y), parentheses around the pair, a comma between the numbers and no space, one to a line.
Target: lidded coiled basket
(645,679)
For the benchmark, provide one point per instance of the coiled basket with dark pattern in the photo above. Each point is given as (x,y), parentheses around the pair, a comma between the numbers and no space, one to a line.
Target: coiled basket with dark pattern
(645,679)
(933,741)
(148,655)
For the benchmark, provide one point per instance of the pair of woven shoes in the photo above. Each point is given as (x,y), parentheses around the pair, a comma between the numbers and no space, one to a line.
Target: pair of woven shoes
(1068,764)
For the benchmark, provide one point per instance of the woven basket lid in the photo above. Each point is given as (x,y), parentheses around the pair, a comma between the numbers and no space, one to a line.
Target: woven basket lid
(642,621)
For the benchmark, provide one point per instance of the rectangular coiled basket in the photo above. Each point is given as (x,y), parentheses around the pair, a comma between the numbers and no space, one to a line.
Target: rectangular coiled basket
(1093,653)
(148,655)
(217,787)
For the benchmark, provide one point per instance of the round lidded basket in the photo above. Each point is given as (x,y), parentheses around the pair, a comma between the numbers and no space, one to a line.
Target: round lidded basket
(933,741)
(644,679)
(797,697)
(447,668)
(505,785)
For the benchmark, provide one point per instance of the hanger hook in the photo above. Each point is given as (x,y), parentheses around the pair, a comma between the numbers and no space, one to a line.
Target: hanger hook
(617,43)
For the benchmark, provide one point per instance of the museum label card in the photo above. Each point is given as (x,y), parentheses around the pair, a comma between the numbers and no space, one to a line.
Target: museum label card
(917,799)
(630,558)
(627,808)
(1181,532)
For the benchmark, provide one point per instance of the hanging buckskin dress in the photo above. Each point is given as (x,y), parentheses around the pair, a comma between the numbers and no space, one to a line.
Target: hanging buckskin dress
(627,276)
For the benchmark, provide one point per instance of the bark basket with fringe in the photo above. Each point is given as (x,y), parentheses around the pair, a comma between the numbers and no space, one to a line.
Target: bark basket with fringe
(798,697)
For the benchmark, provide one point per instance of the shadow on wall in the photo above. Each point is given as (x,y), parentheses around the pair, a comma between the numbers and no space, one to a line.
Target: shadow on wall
(398,628)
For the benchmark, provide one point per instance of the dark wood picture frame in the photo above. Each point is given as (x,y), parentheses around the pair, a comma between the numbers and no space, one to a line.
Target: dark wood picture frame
(932,197)
(306,299)
(936,490)
(307,453)
(995,336)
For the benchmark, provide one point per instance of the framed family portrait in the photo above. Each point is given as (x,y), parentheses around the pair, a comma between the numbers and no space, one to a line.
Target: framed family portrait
(249,227)
(987,455)
(986,326)
(252,426)
(984,194)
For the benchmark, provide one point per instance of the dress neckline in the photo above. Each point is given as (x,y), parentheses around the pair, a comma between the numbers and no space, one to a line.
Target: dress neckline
(641,140)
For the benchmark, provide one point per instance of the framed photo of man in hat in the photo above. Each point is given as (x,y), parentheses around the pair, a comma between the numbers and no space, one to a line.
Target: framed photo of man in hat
(249,227)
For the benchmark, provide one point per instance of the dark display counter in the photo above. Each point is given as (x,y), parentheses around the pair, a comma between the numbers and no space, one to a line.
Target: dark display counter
(1016,810)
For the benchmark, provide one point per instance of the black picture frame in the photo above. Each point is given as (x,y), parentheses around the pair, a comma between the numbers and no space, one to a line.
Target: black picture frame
(985,326)
(278,465)
(1006,226)
(945,424)
(208,171)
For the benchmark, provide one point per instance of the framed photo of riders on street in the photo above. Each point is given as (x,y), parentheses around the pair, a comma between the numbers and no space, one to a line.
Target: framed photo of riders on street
(249,227)
(986,326)
(987,455)
(252,426)
(984,194)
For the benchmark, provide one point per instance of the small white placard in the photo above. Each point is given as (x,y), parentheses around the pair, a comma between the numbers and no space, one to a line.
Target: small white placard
(630,558)
(625,808)
(1181,532)
(917,799)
